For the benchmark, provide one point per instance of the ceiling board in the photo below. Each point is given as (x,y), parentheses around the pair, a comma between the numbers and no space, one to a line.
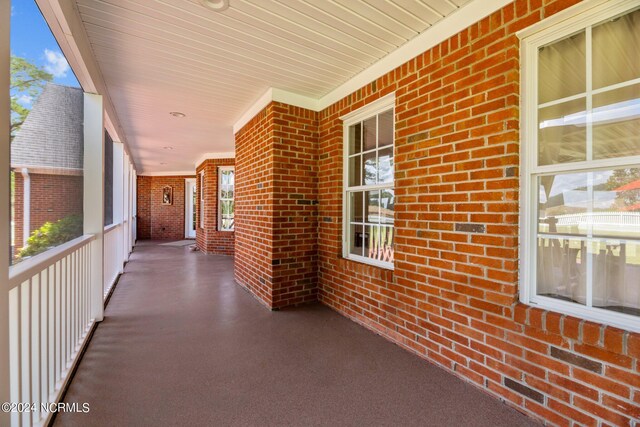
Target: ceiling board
(158,56)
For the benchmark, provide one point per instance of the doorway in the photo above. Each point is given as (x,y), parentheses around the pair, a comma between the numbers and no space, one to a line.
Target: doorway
(190,208)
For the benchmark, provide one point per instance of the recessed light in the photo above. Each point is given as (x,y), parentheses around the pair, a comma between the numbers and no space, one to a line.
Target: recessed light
(168,148)
(178,114)
(217,5)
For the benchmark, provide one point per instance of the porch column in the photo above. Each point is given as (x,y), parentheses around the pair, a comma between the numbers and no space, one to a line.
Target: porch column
(5,232)
(126,188)
(26,206)
(118,203)
(94,196)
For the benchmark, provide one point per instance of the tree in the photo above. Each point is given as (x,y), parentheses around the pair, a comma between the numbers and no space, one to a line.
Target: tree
(27,80)
(621,178)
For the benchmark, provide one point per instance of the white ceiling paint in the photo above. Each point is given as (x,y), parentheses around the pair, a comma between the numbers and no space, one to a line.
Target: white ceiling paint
(158,56)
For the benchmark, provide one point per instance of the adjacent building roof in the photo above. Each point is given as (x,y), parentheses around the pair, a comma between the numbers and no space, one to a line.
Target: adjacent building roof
(52,135)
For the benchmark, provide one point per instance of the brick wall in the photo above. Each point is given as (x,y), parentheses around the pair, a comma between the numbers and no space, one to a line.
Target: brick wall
(276,205)
(155,220)
(53,197)
(143,207)
(453,295)
(209,239)
(295,200)
(254,206)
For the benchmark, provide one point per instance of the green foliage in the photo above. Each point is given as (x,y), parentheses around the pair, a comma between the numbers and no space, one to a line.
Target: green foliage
(52,234)
(621,177)
(27,79)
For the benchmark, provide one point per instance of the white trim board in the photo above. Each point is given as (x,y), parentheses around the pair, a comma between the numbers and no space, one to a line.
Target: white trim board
(169,173)
(211,156)
(434,35)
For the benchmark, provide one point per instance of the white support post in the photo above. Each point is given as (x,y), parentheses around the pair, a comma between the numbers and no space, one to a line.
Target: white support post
(94,196)
(132,192)
(5,232)
(118,202)
(26,206)
(134,208)
(125,208)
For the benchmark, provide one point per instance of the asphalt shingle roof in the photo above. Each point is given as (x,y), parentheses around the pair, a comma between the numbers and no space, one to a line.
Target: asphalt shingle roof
(52,134)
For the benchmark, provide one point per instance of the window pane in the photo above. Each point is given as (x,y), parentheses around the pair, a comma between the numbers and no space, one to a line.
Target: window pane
(562,202)
(385,165)
(47,139)
(562,133)
(616,49)
(379,205)
(387,206)
(356,206)
(385,127)
(616,268)
(561,269)
(226,207)
(355,138)
(372,202)
(357,239)
(370,169)
(370,133)
(227,223)
(355,171)
(600,203)
(227,192)
(379,243)
(616,123)
(562,68)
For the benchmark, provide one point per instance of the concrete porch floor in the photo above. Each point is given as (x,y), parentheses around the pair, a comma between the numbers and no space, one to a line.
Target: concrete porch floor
(183,345)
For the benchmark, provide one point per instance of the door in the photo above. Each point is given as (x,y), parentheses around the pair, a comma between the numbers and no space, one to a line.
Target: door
(190,209)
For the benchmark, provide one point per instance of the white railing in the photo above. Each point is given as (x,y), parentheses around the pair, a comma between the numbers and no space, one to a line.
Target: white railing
(112,256)
(49,321)
(612,224)
(608,218)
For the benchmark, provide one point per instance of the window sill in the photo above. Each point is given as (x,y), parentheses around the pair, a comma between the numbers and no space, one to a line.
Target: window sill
(369,262)
(593,314)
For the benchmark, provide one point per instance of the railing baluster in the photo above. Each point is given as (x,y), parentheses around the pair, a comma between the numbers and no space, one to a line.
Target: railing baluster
(56,327)
(74,284)
(52,327)
(44,332)
(15,341)
(63,316)
(35,341)
(26,348)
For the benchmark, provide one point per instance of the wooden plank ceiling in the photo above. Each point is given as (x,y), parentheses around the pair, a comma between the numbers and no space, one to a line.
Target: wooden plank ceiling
(158,56)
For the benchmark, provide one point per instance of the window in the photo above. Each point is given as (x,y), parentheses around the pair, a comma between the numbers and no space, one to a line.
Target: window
(46,138)
(202,199)
(226,206)
(581,165)
(368,184)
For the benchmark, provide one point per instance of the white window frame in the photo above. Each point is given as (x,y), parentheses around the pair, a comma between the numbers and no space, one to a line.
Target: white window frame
(557,27)
(379,106)
(201,177)
(220,199)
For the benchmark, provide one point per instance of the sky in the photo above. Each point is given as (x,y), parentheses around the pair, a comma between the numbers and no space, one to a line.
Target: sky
(32,39)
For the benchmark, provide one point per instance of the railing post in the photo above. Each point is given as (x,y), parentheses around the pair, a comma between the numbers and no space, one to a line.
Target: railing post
(94,197)
(5,239)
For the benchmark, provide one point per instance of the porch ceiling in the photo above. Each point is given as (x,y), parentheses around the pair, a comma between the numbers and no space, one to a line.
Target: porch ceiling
(158,56)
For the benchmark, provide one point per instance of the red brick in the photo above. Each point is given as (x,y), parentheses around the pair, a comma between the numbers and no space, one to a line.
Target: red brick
(210,239)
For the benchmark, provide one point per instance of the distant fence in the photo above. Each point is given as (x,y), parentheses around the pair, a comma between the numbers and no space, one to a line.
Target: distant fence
(618,224)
